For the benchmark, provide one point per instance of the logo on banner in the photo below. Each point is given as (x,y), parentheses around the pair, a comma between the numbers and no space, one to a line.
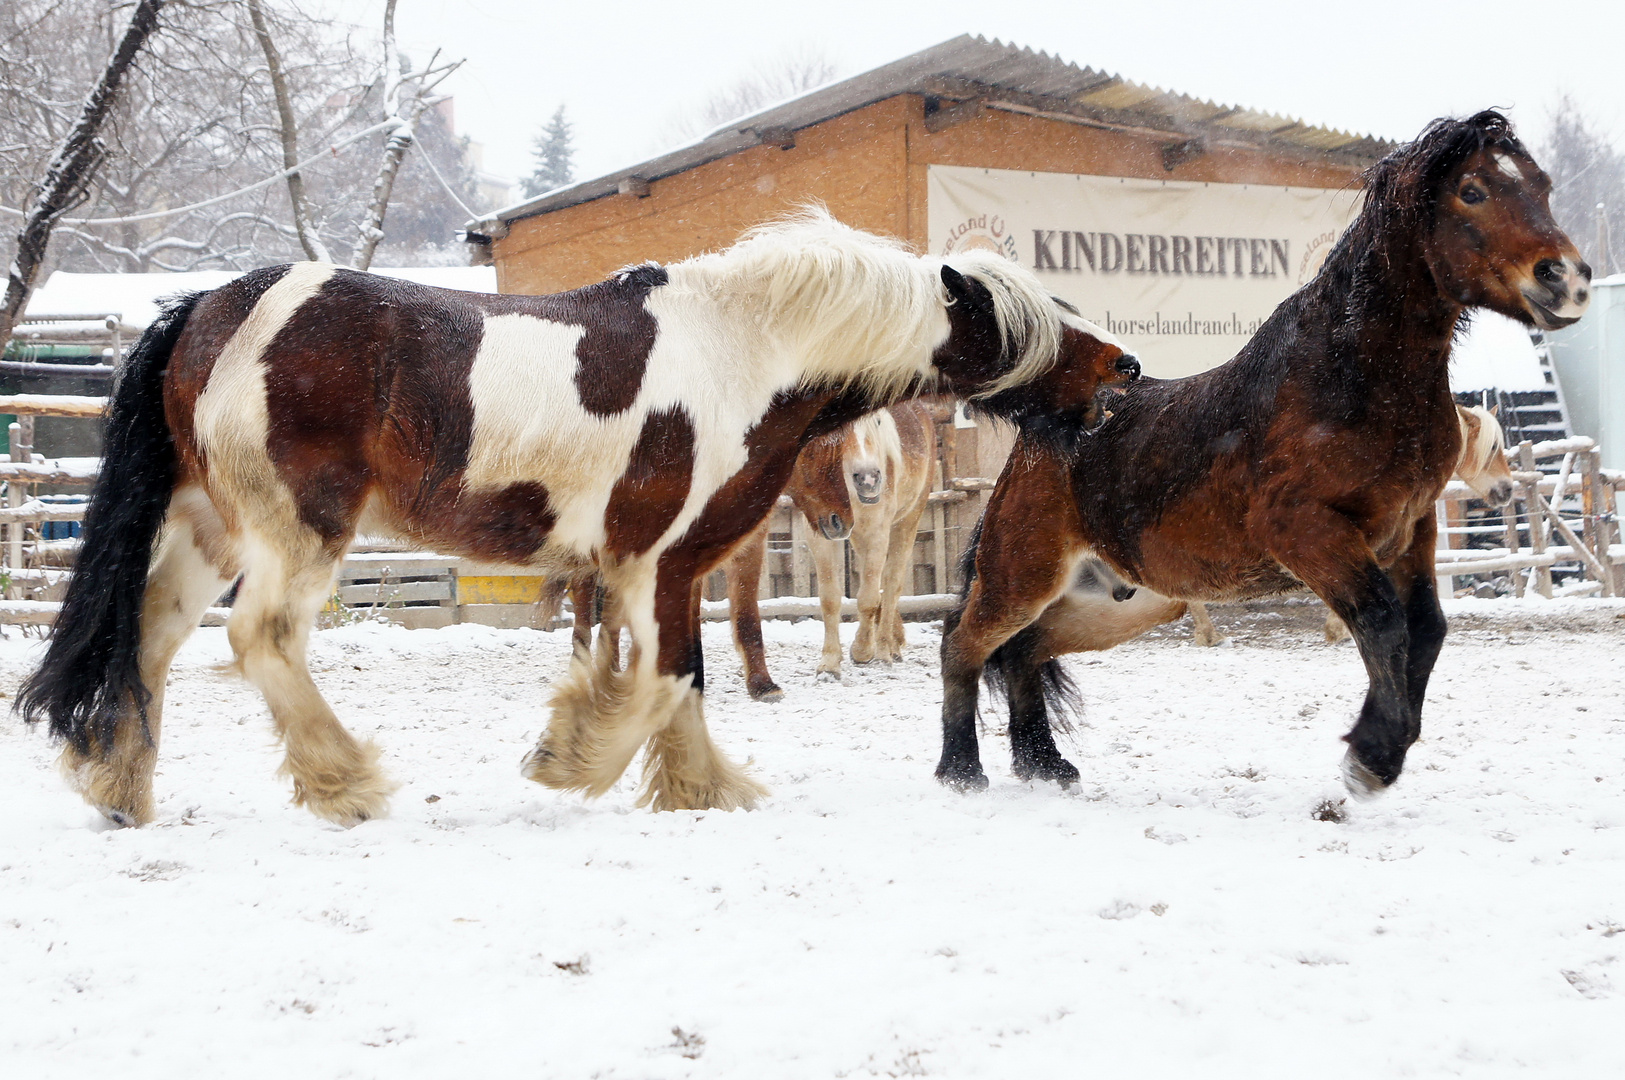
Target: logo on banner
(1314,255)
(985,232)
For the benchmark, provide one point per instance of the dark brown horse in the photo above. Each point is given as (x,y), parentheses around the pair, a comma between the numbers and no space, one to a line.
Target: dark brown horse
(1312,458)
(643,424)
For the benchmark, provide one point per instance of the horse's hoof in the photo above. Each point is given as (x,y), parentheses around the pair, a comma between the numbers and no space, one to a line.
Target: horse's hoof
(1361,782)
(534,763)
(122,818)
(769,693)
(1055,769)
(964,781)
(829,676)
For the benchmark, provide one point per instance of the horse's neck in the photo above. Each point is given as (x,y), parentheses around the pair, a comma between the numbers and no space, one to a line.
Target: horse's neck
(1398,326)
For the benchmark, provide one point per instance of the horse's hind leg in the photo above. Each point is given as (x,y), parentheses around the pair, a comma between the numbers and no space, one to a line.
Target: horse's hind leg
(1020,570)
(334,776)
(1033,753)
(583,589)
(1203,632)
(191,568)
(744,580)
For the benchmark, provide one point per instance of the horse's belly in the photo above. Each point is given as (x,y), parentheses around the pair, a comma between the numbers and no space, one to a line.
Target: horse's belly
(1216,567)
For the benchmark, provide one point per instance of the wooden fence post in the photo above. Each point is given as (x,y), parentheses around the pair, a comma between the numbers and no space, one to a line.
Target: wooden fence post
(1445,583)
(1537,519)
(22,449)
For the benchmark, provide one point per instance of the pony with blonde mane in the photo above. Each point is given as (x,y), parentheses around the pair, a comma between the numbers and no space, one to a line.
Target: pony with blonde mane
(867,483)
(643,424)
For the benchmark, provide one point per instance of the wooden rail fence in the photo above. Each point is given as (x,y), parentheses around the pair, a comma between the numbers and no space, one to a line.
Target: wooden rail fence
(1565,520)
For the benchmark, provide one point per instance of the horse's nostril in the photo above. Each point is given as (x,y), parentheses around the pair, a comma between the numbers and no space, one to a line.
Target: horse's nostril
(1549,272)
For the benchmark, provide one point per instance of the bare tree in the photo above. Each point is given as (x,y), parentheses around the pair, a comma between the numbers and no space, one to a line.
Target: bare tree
(202,116)
(789,75)
(72,168)
(1588,186)
(406,96)
(288,129)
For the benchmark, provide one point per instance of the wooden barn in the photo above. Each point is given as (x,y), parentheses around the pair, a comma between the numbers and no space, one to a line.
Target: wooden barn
(1175,222)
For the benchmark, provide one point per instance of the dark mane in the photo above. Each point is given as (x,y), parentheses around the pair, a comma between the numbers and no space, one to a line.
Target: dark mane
(1401,190)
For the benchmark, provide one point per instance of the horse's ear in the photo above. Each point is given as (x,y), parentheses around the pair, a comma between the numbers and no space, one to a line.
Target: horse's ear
(963,290)
(1495,410)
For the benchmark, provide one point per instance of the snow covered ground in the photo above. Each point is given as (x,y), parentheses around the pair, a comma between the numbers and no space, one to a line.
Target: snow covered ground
(1181,914)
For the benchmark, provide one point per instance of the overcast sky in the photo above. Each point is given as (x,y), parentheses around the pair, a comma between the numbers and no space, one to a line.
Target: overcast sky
(624,68)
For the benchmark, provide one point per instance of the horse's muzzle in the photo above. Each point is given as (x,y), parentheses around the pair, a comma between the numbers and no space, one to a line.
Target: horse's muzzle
(866,485)
(1559,294)
(1499,494)
(834,527)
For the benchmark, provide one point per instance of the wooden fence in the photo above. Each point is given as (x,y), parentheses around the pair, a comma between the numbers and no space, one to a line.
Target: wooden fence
(1563,521)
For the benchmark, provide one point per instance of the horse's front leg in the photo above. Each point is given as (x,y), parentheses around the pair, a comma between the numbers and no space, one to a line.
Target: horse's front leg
(871,539)
(826,555)
(601,715)
(683,769)
(1030,538)
(890,635)
(1324,550)
(1418,590)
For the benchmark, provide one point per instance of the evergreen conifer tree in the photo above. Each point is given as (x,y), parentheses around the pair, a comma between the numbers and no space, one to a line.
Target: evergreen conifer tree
(553,151)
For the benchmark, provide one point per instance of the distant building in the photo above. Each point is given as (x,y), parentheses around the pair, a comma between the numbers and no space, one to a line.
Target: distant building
(1176,222)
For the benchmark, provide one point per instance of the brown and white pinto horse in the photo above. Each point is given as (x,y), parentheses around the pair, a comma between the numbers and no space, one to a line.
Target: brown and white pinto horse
(1482,466)
(870,482)
(1311,459)
(644,423)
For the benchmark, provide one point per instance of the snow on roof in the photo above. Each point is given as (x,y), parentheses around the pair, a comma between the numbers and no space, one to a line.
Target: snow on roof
(1495,354)
(134,297)
(972,68)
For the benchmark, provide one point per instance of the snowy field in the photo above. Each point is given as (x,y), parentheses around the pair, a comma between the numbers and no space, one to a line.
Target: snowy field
(1181,914)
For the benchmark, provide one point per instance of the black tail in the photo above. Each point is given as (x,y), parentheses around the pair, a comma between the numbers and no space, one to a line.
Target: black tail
(91,673)
(1062,700)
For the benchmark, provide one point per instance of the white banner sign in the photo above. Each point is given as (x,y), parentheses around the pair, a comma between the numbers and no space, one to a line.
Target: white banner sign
(1184,272)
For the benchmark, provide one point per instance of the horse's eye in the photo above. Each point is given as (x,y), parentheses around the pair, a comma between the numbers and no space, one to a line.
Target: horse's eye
(1471,195)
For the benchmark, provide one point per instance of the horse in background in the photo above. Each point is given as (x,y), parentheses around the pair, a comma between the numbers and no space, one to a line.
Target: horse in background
(870,482)
(1313,458)
(642,425)
(1482,466)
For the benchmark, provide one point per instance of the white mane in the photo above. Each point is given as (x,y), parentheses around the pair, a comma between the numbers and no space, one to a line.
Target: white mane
(855,307)
(1477,445)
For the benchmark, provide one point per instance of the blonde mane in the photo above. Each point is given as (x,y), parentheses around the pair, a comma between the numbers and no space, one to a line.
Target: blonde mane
(1480,436)
(854,307)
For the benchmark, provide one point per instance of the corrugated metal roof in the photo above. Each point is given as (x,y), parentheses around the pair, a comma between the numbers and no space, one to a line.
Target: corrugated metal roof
(995,73)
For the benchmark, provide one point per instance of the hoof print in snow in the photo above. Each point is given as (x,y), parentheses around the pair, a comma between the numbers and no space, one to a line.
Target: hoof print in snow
(1331,810)
(690,1044)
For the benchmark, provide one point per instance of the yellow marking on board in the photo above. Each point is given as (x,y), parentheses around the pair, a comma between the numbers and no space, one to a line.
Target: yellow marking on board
(505,589)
